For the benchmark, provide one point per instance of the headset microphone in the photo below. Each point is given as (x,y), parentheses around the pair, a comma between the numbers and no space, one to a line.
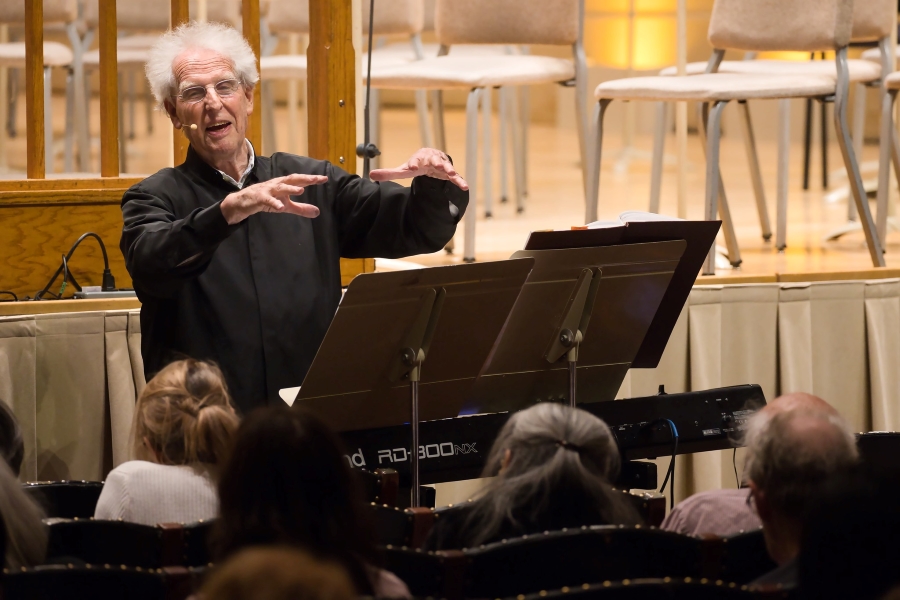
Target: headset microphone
(193,126)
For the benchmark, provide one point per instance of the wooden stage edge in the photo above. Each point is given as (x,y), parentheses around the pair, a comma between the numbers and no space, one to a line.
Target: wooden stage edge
(45,307)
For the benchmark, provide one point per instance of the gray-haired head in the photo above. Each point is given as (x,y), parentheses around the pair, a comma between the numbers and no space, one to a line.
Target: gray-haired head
(791,454)
(218,37)
(553,464)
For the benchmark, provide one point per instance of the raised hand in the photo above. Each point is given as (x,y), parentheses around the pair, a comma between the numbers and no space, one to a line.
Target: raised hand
(273,195)
(426,161)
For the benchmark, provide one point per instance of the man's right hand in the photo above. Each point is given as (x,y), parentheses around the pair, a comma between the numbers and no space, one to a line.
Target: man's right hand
(271,196)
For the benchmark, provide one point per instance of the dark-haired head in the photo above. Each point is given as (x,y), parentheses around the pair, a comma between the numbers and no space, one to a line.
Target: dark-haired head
(11,445)
(287,482)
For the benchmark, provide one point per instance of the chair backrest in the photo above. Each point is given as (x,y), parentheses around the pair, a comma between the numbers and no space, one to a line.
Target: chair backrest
(66,499)
(58,581)
(100,581)
(873,19)
(575,557)
(116,542)
(196,546)
(55,11)
(507,21)
(131,15)
(801,25)
(880,451)
(399,527)
(744,557)
(392,17)
(379,486)
(426,574)
(657,589)
(650,505)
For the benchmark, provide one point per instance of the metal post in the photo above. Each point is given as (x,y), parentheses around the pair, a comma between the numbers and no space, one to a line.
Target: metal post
(414,425)
(573,366)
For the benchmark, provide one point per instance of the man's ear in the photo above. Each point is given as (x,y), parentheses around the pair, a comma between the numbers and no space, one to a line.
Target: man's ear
(248,94)
(170,110)
(759,499)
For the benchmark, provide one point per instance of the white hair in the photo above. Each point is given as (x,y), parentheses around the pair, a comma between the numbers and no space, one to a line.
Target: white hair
(218,37)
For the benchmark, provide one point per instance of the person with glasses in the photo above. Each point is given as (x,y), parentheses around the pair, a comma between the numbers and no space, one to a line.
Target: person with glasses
(236,256)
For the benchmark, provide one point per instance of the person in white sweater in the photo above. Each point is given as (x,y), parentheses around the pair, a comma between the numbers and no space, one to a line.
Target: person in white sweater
(184,421)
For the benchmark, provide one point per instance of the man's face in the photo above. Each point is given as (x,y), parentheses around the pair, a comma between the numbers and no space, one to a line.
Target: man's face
(221,122)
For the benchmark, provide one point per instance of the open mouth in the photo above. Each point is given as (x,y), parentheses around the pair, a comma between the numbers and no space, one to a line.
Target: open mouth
(219,126)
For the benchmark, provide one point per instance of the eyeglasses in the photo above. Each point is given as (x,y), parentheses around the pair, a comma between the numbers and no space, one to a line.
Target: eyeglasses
(196,93)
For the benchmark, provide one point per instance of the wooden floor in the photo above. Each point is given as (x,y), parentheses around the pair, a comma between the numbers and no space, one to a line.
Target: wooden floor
(555,199)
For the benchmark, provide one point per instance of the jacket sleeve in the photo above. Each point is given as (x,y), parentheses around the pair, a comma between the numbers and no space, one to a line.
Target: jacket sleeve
(161,251)
(388,220)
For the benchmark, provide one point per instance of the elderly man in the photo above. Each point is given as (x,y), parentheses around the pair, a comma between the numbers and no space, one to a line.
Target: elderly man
(227,265)
(727,512)
(790,459)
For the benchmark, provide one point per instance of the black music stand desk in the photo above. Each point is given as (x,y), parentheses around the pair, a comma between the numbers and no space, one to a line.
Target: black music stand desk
(399,335)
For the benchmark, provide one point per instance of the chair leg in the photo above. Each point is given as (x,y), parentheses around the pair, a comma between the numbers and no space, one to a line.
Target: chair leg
(148,110)
(731,243)
(525,95)
(123,155)
(824,142)
(712,119)
(784,141)
(131,127)
(595,152)
(853,175)
(755,172)
(471,172)
(80,95)
(807,142)
(268,118)
(503,103)
(518,151)
(885,147)
(48,122)
(70,117)
(859,118)
(486,171)
(422,112)
(437,113)
(659,148)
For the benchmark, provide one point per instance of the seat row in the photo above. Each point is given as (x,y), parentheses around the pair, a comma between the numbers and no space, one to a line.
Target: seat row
(550,560)
(573,558)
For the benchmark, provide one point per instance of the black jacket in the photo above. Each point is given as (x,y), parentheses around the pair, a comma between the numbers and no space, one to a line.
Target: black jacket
(257,297)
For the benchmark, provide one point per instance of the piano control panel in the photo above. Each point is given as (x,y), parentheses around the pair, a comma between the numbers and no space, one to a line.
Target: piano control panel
(456,449)
(705,420)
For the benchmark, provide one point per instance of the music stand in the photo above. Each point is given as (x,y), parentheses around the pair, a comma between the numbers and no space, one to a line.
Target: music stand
(616,290)
(699,235)
(398,336)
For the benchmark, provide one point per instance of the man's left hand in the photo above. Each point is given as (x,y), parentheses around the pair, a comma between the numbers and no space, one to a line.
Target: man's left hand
(426,161)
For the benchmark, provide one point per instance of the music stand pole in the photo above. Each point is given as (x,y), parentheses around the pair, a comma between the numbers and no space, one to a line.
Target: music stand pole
(414,424)
(570,332)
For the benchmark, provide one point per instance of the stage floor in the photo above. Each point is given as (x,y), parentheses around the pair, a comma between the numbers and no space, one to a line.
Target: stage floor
(556,201)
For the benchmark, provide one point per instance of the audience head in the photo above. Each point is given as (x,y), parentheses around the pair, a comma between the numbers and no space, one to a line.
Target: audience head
(287,482)
(278,573)
(26,535)
(184,416)
(798,401)
(550,459)
(790,457)
(11,445)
